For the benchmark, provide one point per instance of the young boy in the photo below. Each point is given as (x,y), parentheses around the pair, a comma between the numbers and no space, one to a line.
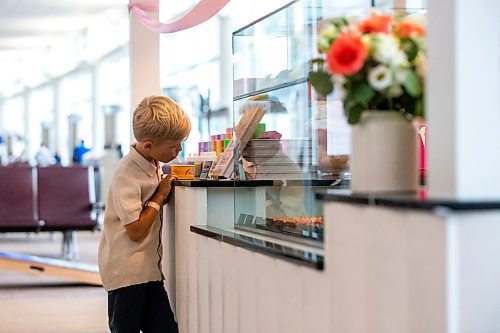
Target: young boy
(130,249)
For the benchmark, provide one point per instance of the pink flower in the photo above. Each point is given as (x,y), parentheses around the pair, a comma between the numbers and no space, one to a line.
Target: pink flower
(346,55)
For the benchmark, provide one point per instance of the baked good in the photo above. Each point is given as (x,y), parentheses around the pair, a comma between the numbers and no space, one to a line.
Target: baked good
(299,222)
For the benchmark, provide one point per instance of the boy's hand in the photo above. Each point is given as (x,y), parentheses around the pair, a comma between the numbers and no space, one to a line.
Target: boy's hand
(165,185)
(137,229)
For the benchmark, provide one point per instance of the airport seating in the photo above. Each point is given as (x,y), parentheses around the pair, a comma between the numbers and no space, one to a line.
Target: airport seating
(18,199)
(66,198)
(52,198)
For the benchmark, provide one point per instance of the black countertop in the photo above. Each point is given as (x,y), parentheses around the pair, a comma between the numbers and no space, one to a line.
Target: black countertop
(257,183)
(419,200)
(204,183)
(310,259)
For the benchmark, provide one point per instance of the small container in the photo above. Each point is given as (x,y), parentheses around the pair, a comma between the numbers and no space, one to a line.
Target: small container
(261,127)
(183,171)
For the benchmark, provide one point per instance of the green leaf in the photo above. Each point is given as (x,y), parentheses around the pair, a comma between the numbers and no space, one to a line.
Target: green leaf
(349,103)
(412,84)
(362,93)
(323,45)
(321,81)
(419,108)
(318,62)
(411,48)
(354,114)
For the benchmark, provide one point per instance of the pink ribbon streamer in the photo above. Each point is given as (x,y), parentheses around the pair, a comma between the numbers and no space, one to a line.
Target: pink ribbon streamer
(204,10)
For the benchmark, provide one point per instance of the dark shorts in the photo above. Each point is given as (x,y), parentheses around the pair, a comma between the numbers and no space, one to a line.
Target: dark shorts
(143,307)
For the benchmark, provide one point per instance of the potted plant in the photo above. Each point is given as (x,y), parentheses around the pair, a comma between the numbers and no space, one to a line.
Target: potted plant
(377,65)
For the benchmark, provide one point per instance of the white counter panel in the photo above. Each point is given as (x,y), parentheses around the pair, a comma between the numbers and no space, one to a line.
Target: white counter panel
(215,285)
(230,288)
(202,283)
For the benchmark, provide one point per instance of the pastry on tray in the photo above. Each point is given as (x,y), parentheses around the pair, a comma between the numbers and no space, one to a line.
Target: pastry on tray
(295,222)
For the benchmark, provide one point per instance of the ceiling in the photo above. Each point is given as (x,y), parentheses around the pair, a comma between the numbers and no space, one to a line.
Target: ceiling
(32,31)
(32,24)
(29,29)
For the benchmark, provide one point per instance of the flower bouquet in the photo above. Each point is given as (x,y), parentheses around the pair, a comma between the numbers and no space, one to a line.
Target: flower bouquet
(377,63)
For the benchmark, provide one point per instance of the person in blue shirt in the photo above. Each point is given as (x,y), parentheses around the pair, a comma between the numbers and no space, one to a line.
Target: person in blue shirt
(79,151)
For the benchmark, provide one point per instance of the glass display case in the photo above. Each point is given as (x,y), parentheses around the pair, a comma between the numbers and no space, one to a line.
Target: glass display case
(279,149)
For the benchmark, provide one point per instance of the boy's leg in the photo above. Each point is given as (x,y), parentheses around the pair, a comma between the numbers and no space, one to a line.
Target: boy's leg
(125,308)
(158,316)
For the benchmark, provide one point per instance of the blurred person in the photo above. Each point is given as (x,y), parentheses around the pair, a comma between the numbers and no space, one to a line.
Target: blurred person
(79,151)
(44,157)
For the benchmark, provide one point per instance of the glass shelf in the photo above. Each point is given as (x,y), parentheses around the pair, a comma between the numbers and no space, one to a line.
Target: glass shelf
(270,88)
(274,51)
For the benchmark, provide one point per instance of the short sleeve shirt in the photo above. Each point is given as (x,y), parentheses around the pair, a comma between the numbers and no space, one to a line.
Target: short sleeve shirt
(123,262)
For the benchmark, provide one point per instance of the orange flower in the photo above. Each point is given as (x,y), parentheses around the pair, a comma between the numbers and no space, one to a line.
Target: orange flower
(346,55)
(409,29)
(376,23)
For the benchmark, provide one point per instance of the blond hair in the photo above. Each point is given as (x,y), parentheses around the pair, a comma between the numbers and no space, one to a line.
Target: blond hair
(160,118)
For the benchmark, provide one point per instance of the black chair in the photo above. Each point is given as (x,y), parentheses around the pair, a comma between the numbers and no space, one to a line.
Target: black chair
(18,199)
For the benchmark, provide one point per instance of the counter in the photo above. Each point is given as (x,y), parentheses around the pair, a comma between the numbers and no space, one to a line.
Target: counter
(389,264)
(220,280)
(410,263)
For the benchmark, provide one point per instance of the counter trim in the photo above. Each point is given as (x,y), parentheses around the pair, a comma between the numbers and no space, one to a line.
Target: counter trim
(260,182)
(295,256)
(408,200)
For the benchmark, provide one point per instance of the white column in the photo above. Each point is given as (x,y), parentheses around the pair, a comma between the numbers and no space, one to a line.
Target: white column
(97,117)
(59,146)
(28,150)
(463,99)
(144,63)
(226,62)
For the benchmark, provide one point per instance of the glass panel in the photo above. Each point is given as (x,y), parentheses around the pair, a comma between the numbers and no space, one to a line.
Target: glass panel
(113,81)
(285,149)
(422,4)
(13,128)
(278,122)
(289,143)
(395,4)
(195,79)
(285,32)
(41,111)
(14,115)
(75,101)
(288,211)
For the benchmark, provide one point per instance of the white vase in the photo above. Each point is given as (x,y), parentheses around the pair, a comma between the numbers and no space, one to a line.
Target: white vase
(384,154)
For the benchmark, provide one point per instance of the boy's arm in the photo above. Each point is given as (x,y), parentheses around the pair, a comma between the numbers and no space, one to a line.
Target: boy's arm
(137,229)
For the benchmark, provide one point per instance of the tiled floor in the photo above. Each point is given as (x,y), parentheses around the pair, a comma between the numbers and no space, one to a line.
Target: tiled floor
(39,304)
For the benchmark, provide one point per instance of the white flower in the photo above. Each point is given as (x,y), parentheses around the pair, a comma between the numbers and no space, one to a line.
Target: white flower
(330,32)
(387,51)
(401,75)
(395,91)
(380,77)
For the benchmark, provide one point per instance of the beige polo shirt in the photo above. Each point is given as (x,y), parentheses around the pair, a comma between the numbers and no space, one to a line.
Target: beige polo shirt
(123,262)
